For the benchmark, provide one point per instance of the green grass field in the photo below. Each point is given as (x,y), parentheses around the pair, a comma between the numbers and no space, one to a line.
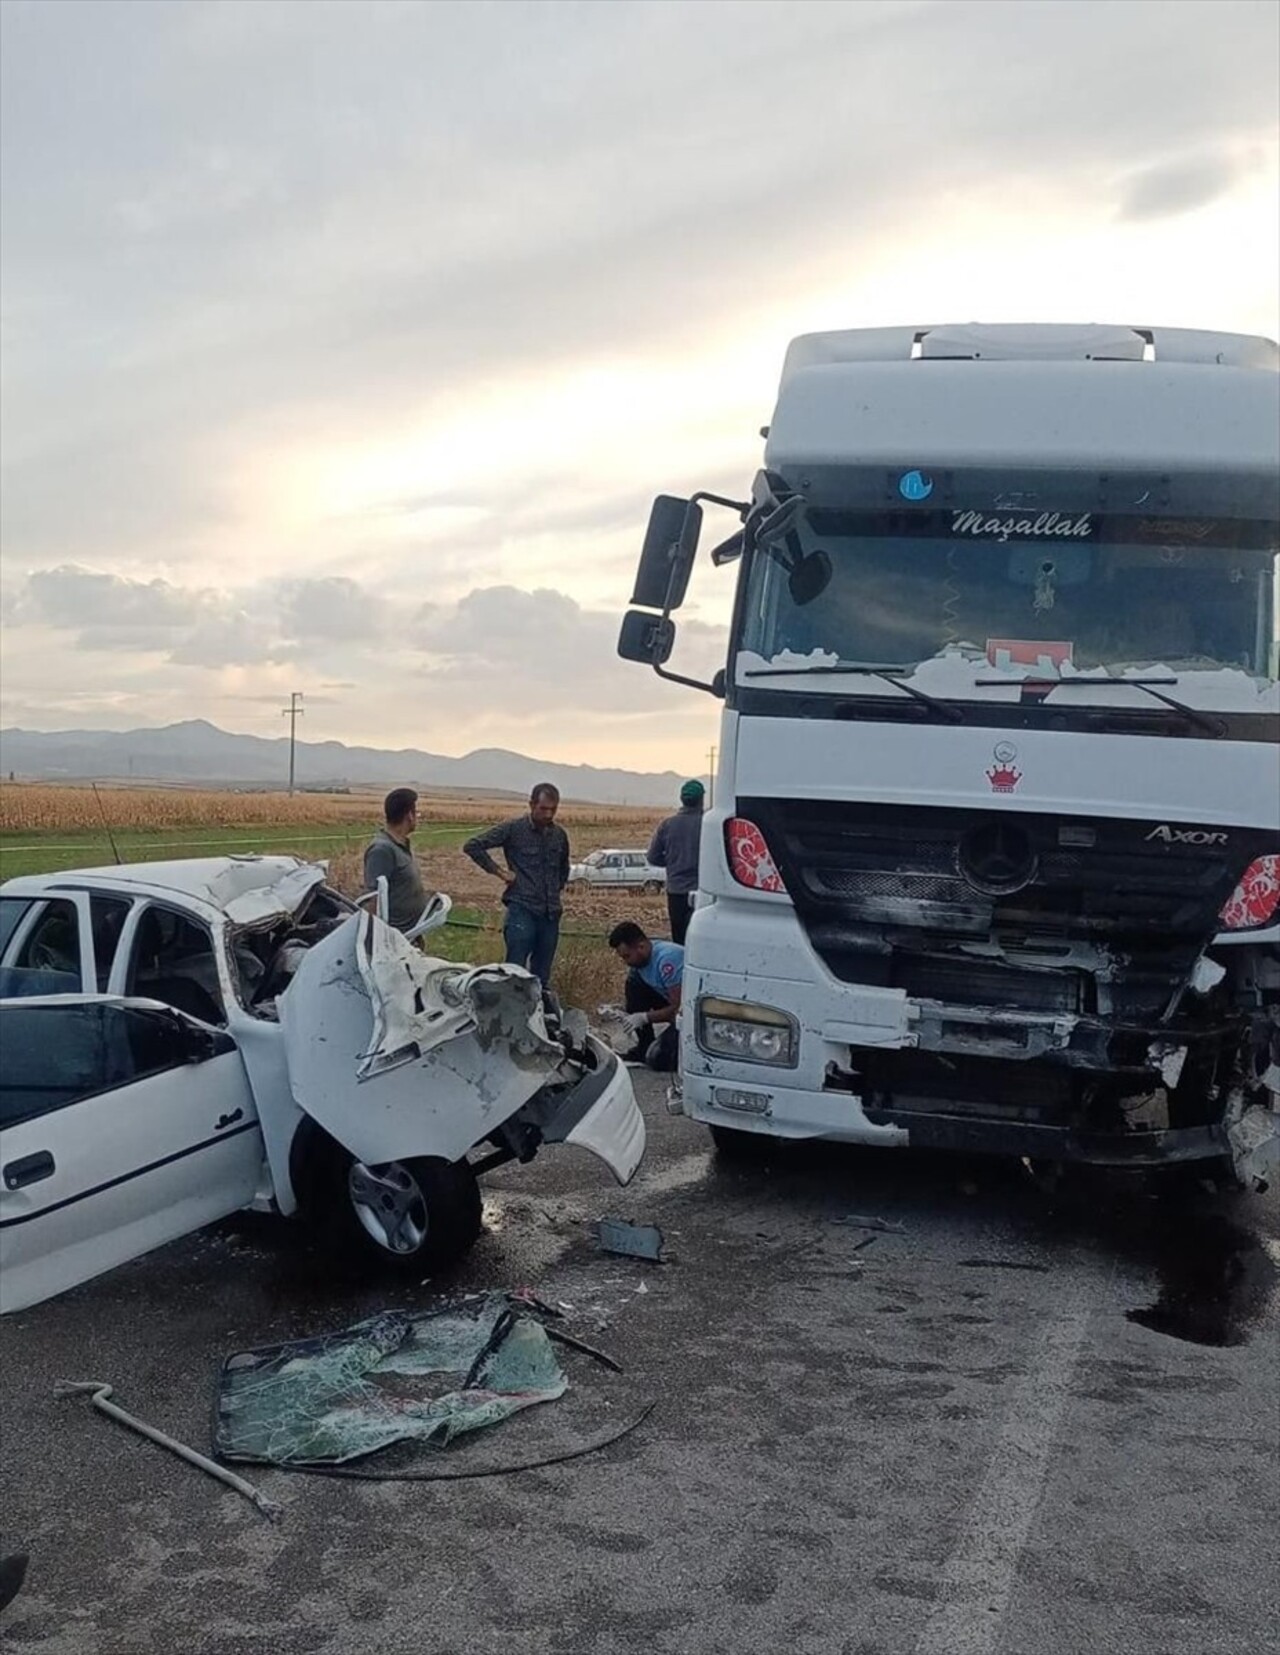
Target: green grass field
(53,851)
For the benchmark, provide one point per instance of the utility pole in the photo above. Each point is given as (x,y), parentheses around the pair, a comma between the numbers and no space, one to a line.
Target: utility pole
(293,712)
(711,779)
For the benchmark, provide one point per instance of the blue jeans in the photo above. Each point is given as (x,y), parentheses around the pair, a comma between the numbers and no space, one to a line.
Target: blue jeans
(531,940)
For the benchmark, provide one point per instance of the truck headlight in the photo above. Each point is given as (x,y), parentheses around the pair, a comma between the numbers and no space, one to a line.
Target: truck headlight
(748,1033)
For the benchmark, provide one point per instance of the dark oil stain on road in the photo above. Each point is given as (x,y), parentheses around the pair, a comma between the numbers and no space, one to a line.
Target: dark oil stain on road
(1214,1279)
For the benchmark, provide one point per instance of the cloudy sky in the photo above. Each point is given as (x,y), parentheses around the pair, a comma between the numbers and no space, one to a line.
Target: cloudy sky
(343,345)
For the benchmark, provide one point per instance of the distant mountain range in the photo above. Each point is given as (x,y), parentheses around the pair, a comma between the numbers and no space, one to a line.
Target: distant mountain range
(197,751)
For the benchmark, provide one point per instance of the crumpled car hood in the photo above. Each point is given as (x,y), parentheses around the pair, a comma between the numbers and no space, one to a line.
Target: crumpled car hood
(396,1054)
(421,1003)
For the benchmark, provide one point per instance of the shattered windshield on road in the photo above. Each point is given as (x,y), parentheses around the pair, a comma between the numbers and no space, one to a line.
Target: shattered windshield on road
(885,592)
(423,1377)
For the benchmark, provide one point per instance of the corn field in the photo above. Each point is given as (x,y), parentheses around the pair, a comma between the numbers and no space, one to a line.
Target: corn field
(32,807)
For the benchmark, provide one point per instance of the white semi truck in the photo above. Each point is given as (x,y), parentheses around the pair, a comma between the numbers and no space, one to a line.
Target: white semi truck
(995,858)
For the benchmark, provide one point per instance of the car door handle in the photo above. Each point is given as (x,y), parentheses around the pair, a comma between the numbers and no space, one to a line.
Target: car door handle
(29,1170)
(228,1120)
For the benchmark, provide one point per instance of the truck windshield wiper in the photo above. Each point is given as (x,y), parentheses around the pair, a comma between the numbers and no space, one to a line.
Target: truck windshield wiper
(1202,721)
(888,673)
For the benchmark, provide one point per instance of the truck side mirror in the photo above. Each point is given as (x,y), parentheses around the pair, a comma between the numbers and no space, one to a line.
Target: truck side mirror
(666,560)
(646,638)
(809,578)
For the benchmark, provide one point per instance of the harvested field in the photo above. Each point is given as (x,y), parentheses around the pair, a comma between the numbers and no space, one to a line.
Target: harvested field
(51,828)
(586,973)
(46,827)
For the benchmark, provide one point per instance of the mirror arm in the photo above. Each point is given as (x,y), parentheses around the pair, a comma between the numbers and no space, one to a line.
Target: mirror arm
(689,683)
(742,508)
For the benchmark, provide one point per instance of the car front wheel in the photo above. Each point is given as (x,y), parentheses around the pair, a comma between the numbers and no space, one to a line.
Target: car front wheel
(410,1217)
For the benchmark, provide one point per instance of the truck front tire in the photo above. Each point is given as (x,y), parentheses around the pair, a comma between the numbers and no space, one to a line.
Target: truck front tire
(746,1147)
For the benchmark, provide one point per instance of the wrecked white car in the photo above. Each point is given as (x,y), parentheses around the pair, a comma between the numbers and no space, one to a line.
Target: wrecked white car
(185,1039)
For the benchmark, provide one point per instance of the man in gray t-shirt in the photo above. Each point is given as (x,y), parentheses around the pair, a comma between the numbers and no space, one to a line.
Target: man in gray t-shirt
(389,857)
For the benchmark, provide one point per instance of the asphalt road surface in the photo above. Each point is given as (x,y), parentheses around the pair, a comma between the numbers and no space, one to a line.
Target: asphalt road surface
(1014,1422)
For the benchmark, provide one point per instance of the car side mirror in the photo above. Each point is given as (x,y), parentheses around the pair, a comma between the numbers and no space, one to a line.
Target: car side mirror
(666,559)
(646,638)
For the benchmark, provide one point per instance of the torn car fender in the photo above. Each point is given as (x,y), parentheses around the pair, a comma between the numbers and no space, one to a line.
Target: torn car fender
(396,1055)
(599,1112)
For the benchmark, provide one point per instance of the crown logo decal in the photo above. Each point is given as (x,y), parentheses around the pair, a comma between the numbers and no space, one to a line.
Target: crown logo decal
(1004,777)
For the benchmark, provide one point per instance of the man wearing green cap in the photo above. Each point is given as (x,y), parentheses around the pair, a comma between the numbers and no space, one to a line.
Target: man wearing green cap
(675,848)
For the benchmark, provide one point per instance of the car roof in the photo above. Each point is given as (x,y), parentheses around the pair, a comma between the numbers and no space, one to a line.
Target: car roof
(213,881)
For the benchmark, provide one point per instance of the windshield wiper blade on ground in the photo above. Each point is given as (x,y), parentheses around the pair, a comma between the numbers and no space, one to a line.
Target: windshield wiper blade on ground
(1203,721)
(888,673)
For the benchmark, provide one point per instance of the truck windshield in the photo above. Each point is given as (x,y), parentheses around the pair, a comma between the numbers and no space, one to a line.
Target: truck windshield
(1015,593)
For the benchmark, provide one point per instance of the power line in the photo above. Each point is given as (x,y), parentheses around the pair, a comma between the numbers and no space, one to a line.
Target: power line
(293,712)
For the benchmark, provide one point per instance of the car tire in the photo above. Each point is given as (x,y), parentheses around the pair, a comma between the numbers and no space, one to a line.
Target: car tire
(407,1217)
(653,887)
(733,1145)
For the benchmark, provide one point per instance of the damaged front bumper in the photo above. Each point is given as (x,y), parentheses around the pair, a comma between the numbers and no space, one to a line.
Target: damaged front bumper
(876,1065)
(1249,1139)
(598,1112)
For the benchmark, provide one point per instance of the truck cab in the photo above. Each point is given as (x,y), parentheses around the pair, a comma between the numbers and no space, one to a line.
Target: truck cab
(995,862)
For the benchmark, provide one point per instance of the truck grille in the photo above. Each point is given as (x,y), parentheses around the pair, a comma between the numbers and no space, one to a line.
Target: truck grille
(889,894)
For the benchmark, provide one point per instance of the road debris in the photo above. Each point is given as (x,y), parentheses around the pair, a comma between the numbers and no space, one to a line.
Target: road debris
(1003,1264)
(466,1473)
(526,1296)
(100,1395)
(864,1221)
(563,1338)
(1254,1137)
(424,1377)
(617,1033)
(643,1241)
